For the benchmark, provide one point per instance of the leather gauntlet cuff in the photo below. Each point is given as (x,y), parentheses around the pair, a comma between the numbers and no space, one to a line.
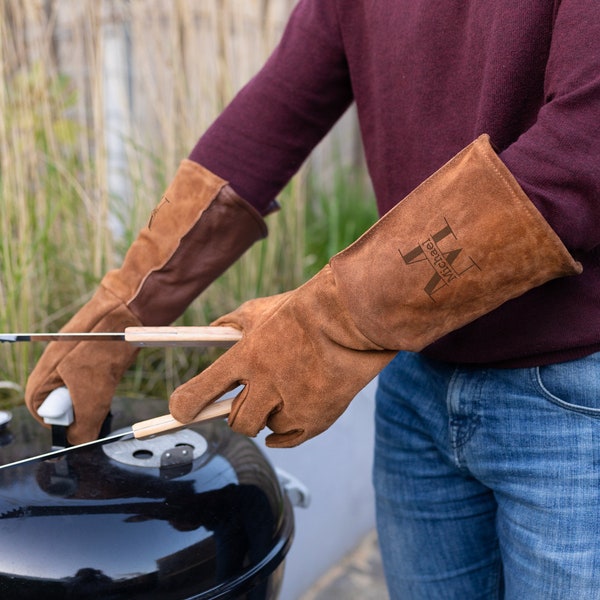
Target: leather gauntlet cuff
(200,227)
(465,241)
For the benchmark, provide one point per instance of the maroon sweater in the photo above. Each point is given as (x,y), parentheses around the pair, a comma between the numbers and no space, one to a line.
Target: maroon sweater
(429,76)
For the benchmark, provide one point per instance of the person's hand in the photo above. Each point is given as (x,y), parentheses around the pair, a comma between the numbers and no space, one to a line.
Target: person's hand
(464,242)
(90,370)
(199,228)
(300,371)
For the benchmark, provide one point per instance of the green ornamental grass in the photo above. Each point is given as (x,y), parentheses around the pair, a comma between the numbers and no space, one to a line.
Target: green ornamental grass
(99,101)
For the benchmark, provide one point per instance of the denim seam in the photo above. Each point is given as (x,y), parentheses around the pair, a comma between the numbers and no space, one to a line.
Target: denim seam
(537,380)
(462,424)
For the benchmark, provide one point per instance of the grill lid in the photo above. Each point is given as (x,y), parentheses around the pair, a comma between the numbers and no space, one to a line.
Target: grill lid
(197,513)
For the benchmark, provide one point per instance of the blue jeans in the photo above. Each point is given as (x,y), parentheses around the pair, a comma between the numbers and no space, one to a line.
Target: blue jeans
(487,481)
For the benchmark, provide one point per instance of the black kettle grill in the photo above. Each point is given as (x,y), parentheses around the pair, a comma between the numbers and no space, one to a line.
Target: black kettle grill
(195,514)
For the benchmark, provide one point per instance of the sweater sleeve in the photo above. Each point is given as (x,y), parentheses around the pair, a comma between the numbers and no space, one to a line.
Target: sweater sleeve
(267,131)
(557,160)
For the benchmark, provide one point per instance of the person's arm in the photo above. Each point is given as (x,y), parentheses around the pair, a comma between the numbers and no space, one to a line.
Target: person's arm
(557,160)
(556,163)
(265,134)
(461,244)
(209,215)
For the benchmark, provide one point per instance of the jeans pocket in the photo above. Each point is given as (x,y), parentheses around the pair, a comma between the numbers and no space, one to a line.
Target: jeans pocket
(573,385)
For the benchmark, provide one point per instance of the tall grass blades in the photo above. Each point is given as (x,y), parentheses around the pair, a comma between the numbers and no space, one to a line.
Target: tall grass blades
(99,101)
(43,207)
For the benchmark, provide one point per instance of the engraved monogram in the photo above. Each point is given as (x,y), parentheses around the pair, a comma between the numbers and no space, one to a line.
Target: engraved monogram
(447,261)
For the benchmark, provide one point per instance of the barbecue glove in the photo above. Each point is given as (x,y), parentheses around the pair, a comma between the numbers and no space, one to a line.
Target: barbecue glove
(465,241)
(199,228)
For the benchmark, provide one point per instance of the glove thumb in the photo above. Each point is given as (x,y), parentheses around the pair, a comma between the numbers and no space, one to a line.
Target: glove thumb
(190,398)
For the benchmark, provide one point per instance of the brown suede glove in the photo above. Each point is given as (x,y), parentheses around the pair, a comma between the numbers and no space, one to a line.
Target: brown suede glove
(323,364)
(200,227)
(465,241)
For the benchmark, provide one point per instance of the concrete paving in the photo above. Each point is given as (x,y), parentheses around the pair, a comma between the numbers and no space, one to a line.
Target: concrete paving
(359,576)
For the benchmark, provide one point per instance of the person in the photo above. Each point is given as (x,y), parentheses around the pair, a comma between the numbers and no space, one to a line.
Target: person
(474,297)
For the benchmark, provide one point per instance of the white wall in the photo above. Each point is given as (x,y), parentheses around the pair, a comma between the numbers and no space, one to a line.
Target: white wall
(336,467)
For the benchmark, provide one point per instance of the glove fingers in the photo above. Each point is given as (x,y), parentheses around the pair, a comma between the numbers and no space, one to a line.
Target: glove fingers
(291,428)
(91,373)
(44,377)
(286,440)
(252,409)
(35,398)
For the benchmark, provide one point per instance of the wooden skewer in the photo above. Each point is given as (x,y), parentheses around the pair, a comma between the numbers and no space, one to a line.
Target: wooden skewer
(182,336)
(166,423)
